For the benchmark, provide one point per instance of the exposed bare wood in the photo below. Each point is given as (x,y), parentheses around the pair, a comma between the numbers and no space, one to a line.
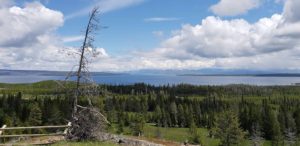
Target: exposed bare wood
(66,130)
(87,121)
(2,129)
(26,144)
(83,61)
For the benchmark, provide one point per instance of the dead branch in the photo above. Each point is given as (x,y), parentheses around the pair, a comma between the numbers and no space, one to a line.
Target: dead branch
(87,122)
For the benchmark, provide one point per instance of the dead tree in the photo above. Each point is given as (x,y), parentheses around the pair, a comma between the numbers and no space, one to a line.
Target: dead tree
(87,122)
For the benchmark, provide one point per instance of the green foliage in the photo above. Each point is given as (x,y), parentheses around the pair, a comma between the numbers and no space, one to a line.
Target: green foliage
(194,134)
(274,108)
(35,116)
(275,131)
(228,129)
(137,125)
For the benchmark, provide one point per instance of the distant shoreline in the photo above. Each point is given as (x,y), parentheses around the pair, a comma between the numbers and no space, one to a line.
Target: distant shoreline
(245,75)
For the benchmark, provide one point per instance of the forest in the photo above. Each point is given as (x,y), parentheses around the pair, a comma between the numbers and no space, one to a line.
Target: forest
(232,114)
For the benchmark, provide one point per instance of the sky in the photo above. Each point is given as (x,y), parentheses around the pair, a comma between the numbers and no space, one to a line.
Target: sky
(152,34)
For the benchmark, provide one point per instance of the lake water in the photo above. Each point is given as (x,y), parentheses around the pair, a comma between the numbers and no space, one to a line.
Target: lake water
(162,79)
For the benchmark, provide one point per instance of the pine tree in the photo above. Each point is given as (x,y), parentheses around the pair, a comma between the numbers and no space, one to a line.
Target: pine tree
(228,129)
(2,116)
(297,120)
(256,135)
(290,129)
(173,114)
(194,134)
(138,125)
(158,115)
(55,116)
(181,116)
(120,126)
(275,129)
(35,115)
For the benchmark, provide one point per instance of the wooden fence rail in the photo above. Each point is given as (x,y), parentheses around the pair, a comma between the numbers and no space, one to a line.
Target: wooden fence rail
(5,128)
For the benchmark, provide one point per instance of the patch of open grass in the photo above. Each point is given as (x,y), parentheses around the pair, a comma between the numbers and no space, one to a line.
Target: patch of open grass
(180,135)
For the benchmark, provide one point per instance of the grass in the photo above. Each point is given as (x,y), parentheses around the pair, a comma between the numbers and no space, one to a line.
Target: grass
(87,143)
(181,134)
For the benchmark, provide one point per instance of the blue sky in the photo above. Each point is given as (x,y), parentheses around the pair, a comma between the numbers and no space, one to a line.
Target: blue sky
(129,28)
(153,34)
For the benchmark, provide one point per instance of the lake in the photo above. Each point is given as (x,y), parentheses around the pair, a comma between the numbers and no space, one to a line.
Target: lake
(161,79)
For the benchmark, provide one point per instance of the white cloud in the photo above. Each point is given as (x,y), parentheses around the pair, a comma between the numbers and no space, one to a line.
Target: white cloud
(72,38)
(27,38)
(161,19)
(291,11)
(284,60)
(25,26)
(219,38)
(6,3)
(234,7)
(232,44)
(269,43)
(105,6)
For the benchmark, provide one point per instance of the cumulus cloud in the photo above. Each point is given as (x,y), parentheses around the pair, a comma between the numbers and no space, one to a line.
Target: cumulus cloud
(27,36)
(233,43)
(234,7)
(25,26)
(217,38)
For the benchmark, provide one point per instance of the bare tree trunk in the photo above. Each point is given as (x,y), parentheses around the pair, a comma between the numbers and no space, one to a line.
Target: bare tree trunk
(87,122)
(81,62)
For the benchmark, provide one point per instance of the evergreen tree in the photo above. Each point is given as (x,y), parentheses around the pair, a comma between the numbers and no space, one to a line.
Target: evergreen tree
(173,114)
(297,120)
(181,116)
(228,129)
(290,129)
(256,135)
(138,125)
(194,134)
(2,116)
(121,125)
(35,115)
(158,115)
(275,129)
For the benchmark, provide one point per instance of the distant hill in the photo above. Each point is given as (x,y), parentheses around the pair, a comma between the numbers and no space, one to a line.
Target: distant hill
(200,72)
(47,73)
(220,72)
